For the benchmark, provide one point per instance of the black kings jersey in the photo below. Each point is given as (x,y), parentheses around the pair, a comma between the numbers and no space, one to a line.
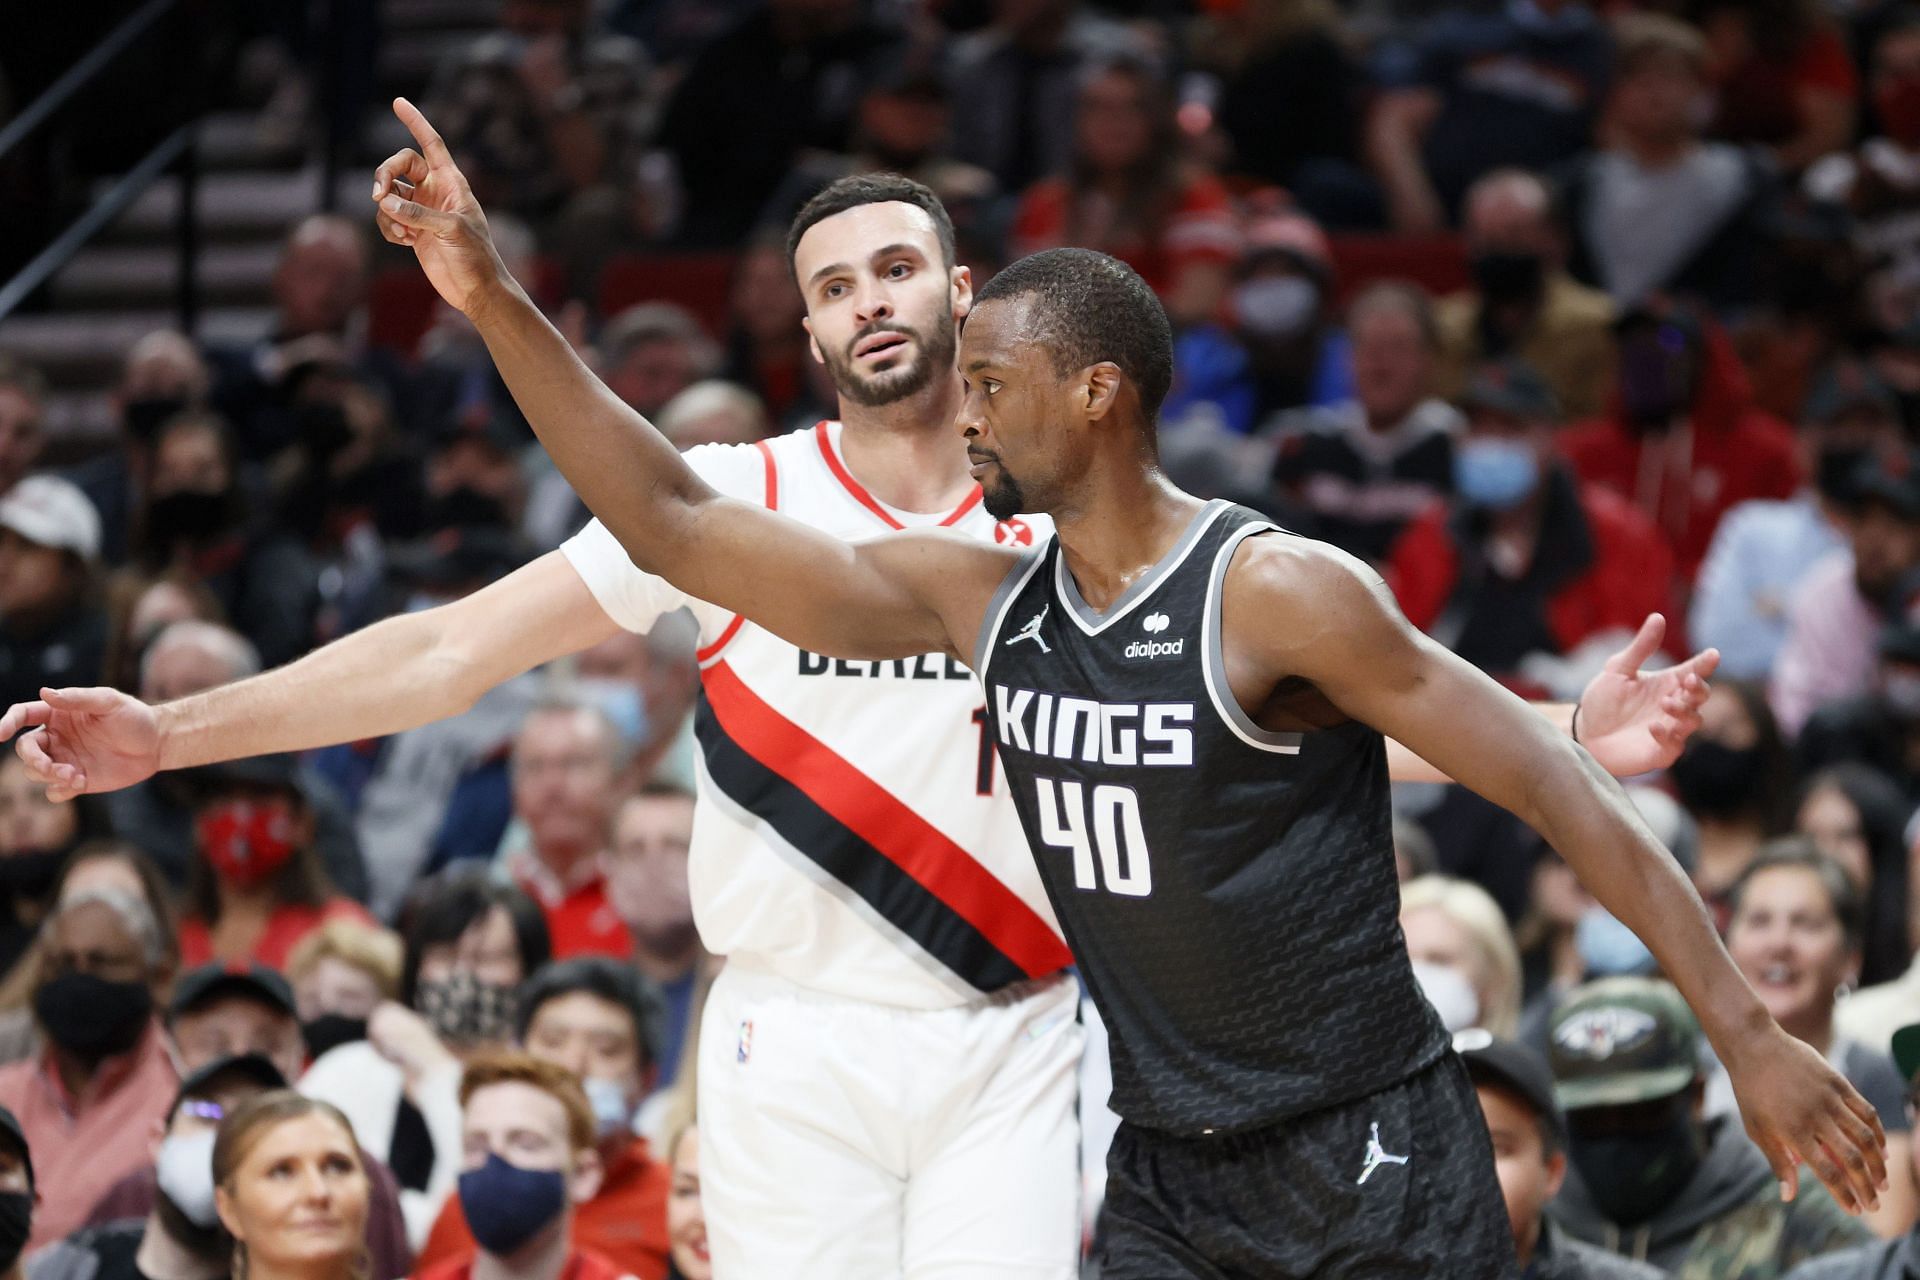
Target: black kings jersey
(1229,892)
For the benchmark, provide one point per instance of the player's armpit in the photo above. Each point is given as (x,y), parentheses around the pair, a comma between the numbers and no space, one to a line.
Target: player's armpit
(922,591)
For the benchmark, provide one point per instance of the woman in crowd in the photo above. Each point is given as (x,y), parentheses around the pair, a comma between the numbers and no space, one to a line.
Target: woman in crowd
(290,1190)
(686,1222)
(36,838)
(1797,925)
(1858,817)
(1130,193)
(256,886)
(1456,925)
(340,974)
(470,942)
(1730,777)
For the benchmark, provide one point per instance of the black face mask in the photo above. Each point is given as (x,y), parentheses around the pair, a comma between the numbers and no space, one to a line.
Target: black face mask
(90,1017)
(1632,1176)
(144,418)
(1508,278)
(30,874)
(16,1223)
(191,515)
(330,1031)
(1836,473)
(1716,779)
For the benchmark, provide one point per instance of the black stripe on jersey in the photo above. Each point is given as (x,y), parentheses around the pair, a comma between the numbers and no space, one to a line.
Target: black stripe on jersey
(854,863)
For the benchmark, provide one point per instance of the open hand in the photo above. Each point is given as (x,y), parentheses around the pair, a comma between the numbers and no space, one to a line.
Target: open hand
(1799,1110)
(439,219)
(89,740)
(1634,721)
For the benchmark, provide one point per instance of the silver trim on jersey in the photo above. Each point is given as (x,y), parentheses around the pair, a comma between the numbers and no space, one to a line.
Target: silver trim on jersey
(1213,656)
(1090,619)
(1003,595)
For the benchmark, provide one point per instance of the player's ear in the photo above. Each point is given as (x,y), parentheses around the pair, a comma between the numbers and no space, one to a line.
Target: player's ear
(1102,388)
(813,343)
(962,292)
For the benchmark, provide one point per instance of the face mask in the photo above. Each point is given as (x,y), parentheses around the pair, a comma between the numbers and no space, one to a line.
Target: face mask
(1898,106)
(622,703)
(1835,473)
(330,1031)
(1901,692)
(30,874)
(507,1206)
(464,1010)
(1633,1176)
(611,1112)
(90,1017)
(1608,948)
(191,515)
(1495,474)
(144,418)
(1276,307)
(1504,278)
(1715,779)
(246,841)
(16,1224)
(1450,994)
(184,1170)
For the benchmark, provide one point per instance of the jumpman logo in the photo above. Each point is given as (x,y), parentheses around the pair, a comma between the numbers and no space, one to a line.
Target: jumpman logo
(1376,1156)
(1032,631)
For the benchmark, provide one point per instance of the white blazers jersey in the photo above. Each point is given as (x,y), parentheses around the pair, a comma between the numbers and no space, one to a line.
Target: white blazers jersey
(853,835)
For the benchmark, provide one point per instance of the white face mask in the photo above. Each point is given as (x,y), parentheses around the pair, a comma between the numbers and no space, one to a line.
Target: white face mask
(1450,994)
(185,1173)
(1276,306)
(611,1111)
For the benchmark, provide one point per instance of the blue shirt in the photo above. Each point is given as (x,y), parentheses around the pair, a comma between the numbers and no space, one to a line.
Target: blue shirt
(1758,555)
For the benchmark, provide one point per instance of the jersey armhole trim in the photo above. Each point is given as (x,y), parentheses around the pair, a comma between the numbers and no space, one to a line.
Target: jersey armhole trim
(1213,664)
(1003,597)
(773,474)
(708,656)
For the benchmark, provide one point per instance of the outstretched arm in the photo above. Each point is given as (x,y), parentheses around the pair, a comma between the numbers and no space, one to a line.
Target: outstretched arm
(889,598)
(1631,721)
(1296,609)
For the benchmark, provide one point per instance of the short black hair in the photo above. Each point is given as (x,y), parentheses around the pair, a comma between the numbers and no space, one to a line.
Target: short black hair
(857,189)
(1801,852)
(602,976)
(447,906)
(1089,307)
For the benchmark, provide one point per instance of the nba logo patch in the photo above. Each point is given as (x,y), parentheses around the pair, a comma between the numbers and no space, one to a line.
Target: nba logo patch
(744,1049)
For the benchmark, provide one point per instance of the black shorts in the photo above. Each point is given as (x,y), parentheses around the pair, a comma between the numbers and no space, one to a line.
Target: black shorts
(1311,1198)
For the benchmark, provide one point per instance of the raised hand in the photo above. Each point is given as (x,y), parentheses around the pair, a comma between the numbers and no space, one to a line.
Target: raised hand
(1799,1110)
(1634,721)
(88,740)
(439,218)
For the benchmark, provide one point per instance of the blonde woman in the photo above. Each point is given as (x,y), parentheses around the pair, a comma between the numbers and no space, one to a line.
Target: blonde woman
(290,1190)
(1455,924)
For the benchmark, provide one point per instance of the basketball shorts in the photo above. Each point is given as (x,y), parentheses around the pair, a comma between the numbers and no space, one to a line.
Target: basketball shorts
(1399,1183)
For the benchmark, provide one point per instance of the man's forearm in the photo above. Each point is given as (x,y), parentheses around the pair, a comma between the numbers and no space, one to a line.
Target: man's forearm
(382,679)
(1585,815)
(627,473)
(1404,764)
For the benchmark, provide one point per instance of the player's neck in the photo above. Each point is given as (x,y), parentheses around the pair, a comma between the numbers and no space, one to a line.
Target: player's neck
(1126,518)
(906,453)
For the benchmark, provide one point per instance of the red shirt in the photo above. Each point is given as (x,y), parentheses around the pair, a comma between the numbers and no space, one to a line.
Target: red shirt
(580,920)
(625,1224)
(285,927)
(582,1265)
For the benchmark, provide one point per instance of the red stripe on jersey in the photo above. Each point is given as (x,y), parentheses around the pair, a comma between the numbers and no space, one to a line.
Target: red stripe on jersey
(773,504)
(867,500)
(873,813)
(701,655)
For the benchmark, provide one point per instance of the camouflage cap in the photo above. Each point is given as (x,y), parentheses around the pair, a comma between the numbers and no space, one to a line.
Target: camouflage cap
(1622,1041)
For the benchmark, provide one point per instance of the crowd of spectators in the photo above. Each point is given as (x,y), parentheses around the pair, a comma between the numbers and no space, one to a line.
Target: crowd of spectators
(1682,376)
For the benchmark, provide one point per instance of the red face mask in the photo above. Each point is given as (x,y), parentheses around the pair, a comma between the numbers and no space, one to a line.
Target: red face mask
(246,841)
(1898,105)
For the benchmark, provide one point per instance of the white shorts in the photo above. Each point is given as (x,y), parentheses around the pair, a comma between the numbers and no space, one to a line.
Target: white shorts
(850,1141)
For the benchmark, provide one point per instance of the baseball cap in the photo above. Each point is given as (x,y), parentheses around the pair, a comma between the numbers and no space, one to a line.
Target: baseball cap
(275,769)
(210,980)
(10,1130)
(1511,1066)
(250,1066)
(1622,1041)
(52,512)
(1512,387)
(1893,479)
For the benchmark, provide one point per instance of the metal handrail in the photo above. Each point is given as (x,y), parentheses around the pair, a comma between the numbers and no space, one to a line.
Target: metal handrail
(80,73)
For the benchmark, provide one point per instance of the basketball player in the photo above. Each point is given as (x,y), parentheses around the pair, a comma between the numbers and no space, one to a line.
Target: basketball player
(886,1071)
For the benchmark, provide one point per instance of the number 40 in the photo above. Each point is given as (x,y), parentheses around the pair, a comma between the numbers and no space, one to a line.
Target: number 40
(1116,834)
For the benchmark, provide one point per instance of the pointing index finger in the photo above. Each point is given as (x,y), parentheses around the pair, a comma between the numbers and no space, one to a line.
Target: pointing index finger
(1645,641)
(435,151)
